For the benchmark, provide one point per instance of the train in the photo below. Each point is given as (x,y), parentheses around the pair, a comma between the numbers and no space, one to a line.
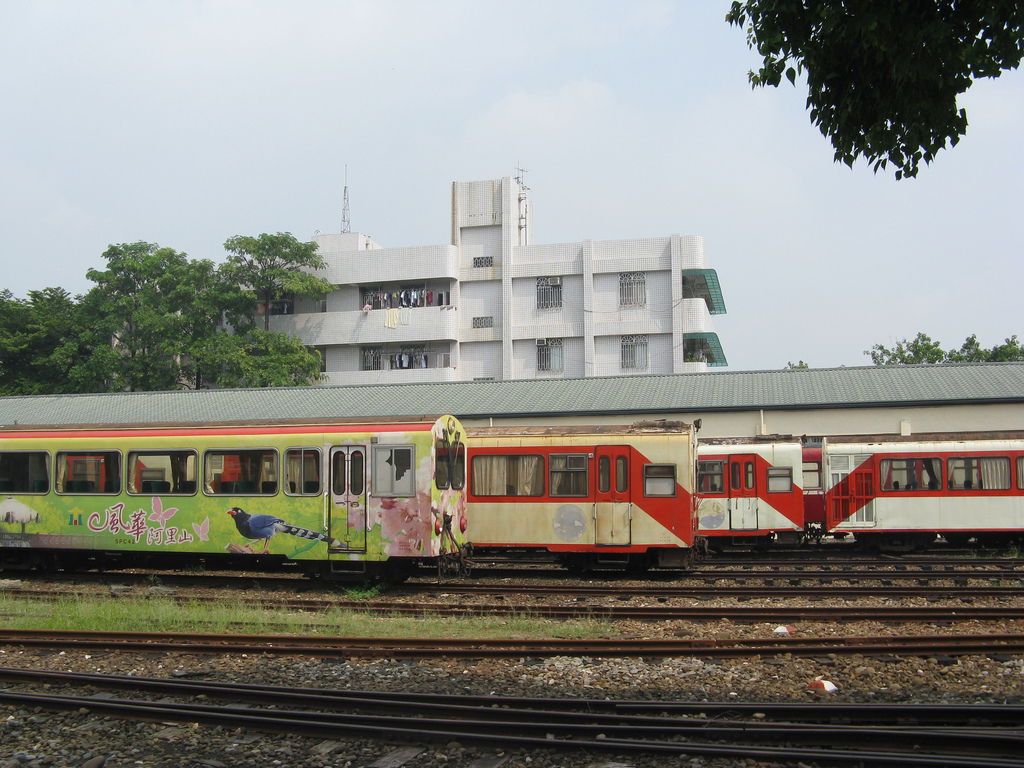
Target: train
(378,499)
(341,499)
(593,497)
(884,492)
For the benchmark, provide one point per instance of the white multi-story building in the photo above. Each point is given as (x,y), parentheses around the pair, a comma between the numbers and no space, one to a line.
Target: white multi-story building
(492,305)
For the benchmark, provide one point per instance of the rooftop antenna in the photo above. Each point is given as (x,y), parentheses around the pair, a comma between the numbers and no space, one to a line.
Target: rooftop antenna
(346,218)
(521,177)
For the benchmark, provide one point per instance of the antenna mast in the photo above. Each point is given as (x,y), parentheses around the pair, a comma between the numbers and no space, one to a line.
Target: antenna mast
(346,219)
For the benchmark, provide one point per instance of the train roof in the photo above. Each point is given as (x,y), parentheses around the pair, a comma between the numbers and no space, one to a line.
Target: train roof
(635,396)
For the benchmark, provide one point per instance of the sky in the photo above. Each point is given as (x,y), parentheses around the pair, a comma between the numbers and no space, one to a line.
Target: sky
(187,122)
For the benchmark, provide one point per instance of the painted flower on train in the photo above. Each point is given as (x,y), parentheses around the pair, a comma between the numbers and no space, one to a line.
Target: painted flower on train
(159,515)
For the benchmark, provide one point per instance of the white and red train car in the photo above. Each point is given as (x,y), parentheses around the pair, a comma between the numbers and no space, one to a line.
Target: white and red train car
(906,493)
(594,497)
(898,493)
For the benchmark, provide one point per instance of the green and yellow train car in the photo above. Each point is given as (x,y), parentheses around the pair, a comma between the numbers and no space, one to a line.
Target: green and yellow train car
(340,498)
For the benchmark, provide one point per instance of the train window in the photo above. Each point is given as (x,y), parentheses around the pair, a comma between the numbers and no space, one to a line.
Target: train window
(569,475)
(912,474)
(659,480)
(338,476)
(459,467)
(302,471)
(394,473)
(780,479)
(157,472)
(812,475)
(88,472)
(251,472)
(508,475)
(748,474)
(621,474)
(604,474)
(974,473)
(1020,472)
(24,472)
(711,476)
(735,475)
(442,464)
(356,473)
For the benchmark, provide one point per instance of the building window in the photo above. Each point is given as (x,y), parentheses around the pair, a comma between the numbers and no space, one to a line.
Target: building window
(632,289)
(483,261)
(483,322)
(549,355)
(549,293)
(370,359)
(634,352)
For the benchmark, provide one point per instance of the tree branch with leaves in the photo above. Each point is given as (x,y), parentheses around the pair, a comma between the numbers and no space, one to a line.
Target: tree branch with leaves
(883,77)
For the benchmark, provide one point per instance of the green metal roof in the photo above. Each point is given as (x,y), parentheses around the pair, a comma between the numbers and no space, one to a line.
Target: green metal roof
(706,343)
(692,393)
(703,284)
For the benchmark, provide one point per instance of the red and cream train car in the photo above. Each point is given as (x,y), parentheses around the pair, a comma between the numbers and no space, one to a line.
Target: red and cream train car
(756,490)
(603,496)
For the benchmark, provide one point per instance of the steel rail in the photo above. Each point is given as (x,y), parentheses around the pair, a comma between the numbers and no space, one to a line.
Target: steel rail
(472,648)
(700,711)
(568,730)
(708,591)
(845,613)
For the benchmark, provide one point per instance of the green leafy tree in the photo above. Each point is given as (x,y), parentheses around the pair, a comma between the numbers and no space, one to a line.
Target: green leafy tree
(147,311)
(271,267)
(923,349)
(796,366)
(258,358)
(39,341)
(883,77)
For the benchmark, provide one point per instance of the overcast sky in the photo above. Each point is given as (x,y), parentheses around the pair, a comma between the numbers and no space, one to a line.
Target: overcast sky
(184,123)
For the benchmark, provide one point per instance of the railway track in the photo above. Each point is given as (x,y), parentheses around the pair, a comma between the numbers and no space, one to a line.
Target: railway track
(384,647)
(980,735)
(577,610)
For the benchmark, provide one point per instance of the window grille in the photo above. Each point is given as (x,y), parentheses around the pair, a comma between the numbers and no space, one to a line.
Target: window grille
(549,355)
(370,359)
(549,292)
(632,289)
(483,261)
(634,352)
(483,322)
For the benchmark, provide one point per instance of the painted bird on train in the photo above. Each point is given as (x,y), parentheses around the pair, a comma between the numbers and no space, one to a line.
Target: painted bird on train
(263,527)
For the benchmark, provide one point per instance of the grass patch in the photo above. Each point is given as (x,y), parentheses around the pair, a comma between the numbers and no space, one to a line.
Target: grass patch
(163,615)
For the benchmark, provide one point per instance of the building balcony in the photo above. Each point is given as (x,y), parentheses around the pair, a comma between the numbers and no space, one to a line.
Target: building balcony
(387,376)
(359,327)
(386,265)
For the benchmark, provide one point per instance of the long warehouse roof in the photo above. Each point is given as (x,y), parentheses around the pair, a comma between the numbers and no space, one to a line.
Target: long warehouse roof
(691,393)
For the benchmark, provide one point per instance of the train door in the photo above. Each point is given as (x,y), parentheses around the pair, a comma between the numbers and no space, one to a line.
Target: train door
(613,506)
(850,499)
(743,492)
(348,496)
